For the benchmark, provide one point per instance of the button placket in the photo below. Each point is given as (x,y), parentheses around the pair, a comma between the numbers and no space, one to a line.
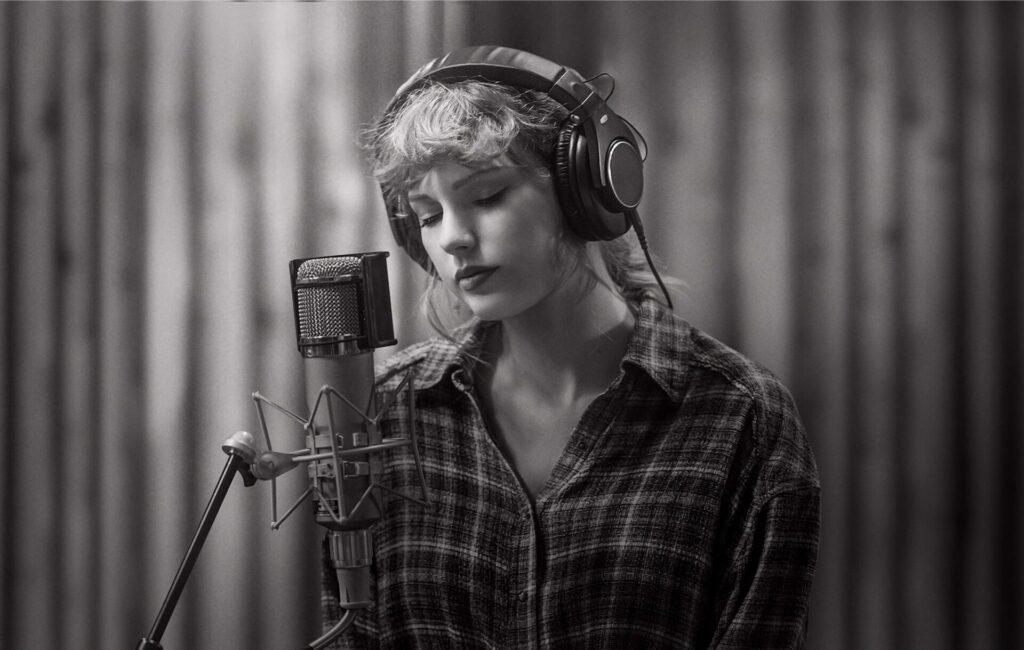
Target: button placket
(523,586)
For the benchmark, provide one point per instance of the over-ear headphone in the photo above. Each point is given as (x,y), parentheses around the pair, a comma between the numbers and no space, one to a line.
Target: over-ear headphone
(597,166)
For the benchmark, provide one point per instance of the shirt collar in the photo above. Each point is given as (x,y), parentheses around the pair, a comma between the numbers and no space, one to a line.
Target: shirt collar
(658,347)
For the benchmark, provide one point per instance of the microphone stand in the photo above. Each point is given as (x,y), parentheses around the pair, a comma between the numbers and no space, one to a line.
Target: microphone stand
(319,287)
(240,455)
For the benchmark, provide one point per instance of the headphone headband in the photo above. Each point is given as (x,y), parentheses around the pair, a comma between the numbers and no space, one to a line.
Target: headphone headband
(502,65)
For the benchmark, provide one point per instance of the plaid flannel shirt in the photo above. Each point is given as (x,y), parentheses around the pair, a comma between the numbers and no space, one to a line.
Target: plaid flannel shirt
(683,512)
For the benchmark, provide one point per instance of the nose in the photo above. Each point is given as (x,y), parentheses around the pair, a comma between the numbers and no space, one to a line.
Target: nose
(456,233)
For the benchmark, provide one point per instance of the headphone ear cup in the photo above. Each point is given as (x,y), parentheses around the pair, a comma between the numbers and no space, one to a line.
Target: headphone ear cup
(584,213)
(566,182)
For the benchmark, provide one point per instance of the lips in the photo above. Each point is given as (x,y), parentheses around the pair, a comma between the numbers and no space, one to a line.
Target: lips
(470,277)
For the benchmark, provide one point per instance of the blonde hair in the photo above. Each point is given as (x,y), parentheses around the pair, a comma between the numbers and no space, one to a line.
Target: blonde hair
(469,122)
(473,123)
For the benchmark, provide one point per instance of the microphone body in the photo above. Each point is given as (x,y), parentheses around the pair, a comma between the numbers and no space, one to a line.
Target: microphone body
(342,484)
(343,312)
(346,382)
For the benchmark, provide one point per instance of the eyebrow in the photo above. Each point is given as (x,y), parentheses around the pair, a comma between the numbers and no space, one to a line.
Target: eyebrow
(468,178)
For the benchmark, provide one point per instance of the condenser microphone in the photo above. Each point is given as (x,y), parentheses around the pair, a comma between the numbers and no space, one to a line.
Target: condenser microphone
(342,309)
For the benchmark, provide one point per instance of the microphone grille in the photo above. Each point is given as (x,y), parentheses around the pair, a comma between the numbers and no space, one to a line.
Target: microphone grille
(329,309)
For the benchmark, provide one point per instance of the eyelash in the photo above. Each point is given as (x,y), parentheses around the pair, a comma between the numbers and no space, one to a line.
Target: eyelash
(484,202)
(491,199)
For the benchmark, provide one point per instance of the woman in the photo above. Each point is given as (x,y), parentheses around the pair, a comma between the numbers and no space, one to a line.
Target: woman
(604,475)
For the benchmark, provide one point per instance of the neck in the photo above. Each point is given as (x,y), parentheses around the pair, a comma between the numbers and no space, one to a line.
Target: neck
(568,346)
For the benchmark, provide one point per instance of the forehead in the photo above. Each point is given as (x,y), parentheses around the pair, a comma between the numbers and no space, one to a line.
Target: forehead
(452,177)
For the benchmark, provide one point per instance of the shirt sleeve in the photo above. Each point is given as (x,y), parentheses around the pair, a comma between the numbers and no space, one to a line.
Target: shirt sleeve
(768,564)
(768,581)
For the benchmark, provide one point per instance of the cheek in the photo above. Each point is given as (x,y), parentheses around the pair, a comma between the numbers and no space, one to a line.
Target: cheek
(541,256)
(547,240)
(437,256)
(539,225)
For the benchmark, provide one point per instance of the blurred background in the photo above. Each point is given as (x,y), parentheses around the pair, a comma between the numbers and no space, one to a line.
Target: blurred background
(840,185)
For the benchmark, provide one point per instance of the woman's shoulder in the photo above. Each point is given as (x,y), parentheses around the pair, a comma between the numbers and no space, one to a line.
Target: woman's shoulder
(735,368)
(688,360)
(428,359)
(776,427)
(415,357)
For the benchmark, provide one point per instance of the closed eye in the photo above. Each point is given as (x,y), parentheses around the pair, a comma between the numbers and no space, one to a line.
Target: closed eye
(429,220)
(491,199)
(485,201)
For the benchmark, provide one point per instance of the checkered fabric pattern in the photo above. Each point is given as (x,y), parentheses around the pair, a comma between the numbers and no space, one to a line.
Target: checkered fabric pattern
(683,513)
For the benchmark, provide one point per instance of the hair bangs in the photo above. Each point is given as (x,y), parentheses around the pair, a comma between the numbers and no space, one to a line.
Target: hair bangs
(469,123)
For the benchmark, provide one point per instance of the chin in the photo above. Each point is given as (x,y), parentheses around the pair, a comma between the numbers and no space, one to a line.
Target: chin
(494,306)
(487,307)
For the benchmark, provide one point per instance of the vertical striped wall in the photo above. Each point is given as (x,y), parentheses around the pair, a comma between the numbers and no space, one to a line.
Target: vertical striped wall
(839,184)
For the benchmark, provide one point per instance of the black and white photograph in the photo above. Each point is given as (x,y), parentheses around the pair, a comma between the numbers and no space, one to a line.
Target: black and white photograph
(512,324)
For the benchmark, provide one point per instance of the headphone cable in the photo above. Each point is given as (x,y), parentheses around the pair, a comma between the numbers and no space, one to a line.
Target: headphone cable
(638,227)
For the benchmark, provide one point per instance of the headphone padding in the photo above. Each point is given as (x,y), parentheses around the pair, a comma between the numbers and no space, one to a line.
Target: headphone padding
(565,179)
